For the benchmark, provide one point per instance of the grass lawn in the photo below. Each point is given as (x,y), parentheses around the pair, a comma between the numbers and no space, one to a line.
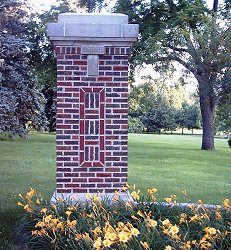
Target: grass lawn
(171,163)
(24,164)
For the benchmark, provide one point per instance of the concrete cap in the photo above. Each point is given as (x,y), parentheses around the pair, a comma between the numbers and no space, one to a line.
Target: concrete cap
(93,27)
(93,18)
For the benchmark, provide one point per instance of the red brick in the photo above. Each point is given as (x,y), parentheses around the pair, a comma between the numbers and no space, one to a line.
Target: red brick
(80,62)
(63,126)
(109,191)
(88,185)
(63,148)
(80,169)
(80,190)
(71,111)
(95,180)
(104,185)
(57,50)
(112,169)
(105,79)
(63,170)
(71,185)
(103,174)
(71,174)
(95,170)
(63,180)
(63,158)
(87,174)
(63,191)
(79,179)
(73,57)
(120,68)
(119,175)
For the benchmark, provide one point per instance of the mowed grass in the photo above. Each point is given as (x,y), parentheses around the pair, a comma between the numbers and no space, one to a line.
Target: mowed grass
(171,163)
(24,163)
(174,163)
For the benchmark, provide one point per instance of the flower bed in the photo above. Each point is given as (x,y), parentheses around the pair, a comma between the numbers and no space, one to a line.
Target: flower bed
(102,224)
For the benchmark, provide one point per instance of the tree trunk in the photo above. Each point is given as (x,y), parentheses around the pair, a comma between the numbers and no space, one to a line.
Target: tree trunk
(182,131)
(215,5)
(207,105)
(192,131)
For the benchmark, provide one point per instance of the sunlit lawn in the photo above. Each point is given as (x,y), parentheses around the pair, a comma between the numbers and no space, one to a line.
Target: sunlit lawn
(171,163)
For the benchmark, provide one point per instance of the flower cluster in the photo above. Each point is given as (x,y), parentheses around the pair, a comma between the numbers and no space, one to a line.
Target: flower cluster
(142,224)
(109,236)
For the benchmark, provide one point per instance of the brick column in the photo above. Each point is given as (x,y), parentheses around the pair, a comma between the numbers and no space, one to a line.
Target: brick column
(92,102)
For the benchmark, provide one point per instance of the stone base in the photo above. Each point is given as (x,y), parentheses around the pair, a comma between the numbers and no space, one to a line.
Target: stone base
(82,197)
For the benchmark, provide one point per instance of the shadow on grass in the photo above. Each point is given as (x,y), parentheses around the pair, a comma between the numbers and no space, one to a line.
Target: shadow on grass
(8,220)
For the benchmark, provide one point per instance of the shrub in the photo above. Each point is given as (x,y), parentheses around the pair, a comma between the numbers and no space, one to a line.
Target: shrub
(102,224)
(135,125)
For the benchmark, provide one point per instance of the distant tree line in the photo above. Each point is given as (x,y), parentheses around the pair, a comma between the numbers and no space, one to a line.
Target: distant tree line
(160,105)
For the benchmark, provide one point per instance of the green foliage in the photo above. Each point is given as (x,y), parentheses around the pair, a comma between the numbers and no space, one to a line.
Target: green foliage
(41,55)
(103,224)
(189,116)
(135,125)
(189,33)
(223,114)
(90,5)
(161,118)
(20,100)
(141,97)
(163,105)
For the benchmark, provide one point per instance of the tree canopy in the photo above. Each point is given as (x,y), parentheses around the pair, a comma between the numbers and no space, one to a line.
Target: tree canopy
(163,105)
(21,103)
(190,33)
(41,56)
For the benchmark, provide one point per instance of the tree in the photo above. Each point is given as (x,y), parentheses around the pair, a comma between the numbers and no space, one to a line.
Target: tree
(189,33)
(180,119)
(188,116)
(41,56)
(156,101)
(142,97)
(192,116)
(21,103)
(223,114)
(135,125)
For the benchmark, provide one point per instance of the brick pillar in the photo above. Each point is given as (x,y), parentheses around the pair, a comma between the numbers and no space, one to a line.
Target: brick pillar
(92,102)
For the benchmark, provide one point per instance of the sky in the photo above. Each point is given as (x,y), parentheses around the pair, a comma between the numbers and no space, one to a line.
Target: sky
(44,4)
(41,4)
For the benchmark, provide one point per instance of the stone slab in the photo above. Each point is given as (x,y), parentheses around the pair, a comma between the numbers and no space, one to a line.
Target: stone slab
(55,29)
(110,18)
(92,30)
(82,197)
(93,50)
(80,41)
(92,65)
